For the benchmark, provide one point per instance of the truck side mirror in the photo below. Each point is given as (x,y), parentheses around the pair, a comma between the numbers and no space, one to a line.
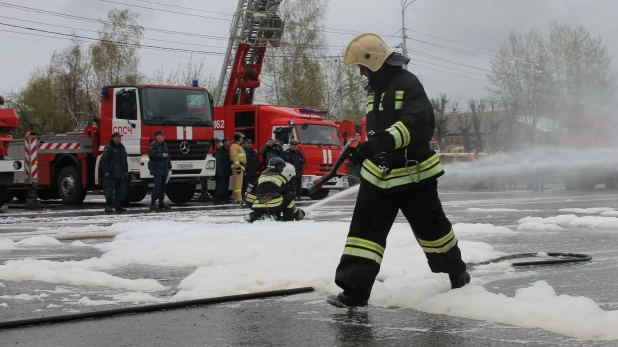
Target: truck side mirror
(345,137)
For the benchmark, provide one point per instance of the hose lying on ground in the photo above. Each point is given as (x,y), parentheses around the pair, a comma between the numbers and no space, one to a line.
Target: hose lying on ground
(151,308)
(565,258)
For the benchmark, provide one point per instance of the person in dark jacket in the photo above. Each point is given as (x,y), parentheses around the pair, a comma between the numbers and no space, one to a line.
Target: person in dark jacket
(159,165)
(223,171)
(115,170)
(251,169)
(295,157)
(399,172)
(269,151)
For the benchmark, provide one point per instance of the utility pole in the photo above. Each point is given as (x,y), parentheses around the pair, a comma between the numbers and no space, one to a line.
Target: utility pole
(404,33)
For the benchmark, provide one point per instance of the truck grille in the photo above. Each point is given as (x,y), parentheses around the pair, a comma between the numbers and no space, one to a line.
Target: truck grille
(197,150)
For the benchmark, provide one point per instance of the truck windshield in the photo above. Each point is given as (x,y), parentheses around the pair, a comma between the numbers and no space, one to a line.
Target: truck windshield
(172,106)
(318,135)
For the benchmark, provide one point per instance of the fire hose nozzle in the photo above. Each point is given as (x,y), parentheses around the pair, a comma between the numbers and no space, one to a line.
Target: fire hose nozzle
(315,185)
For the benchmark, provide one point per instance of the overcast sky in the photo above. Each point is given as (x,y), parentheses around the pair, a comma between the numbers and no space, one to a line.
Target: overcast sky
(474,26)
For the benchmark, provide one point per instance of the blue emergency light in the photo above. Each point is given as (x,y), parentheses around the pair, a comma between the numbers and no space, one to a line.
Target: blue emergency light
(313,111)
(195,84)
(104,92)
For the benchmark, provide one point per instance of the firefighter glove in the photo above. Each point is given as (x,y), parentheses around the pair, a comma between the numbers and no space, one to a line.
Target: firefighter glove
(366,150)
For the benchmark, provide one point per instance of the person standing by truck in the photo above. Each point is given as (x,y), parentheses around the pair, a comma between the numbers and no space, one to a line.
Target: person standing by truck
(115,169)
(294,156)
(269,151)
(251,170)
(159,165)
(223,170)
(239,161)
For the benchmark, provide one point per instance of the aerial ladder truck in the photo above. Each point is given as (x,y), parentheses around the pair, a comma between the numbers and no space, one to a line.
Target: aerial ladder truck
(255,26)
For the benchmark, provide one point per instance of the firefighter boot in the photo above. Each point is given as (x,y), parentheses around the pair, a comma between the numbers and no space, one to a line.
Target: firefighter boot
(163,206)
(459,280)
(153,206)
(347,300)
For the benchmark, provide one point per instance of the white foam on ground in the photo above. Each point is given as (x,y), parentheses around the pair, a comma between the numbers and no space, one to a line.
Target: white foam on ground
(595,222)
(474,209)
(592,210)
(4,304)
(79,243)
(137,297)
(42,240)
(25,297)
(56,272)
(7,244)
(561,219)
(86,301)
(610,213)
(537,306)
(538,226)
(236,258)
(468,229)
(53,306)
(2,285)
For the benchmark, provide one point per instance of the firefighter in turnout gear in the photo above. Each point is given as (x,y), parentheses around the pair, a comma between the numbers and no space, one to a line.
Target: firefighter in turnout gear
(272,197)
(398,173)
(159,164)
(239,161)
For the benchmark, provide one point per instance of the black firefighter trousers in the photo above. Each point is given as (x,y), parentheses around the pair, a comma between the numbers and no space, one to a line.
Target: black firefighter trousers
(374,215)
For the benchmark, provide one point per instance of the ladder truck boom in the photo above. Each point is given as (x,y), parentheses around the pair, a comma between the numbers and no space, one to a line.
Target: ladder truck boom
(255,25)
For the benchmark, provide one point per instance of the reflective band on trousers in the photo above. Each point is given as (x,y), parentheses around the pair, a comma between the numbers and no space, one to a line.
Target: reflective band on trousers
(442,245)
(401,135)
(272,203)
(355,241)
(250,198)
(357,252)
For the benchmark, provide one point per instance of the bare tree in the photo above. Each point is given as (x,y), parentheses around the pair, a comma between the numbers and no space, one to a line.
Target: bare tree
(494,119)
(463,122)
(440,105)
(477,109)
(293,72)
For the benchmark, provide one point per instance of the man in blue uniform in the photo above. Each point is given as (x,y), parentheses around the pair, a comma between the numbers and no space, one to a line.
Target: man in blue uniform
(115,170)
(159,165)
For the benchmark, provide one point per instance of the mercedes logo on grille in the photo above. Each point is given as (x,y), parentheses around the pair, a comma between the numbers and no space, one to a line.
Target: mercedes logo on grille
(184,147)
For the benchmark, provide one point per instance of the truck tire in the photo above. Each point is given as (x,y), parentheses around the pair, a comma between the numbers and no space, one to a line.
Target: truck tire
(70,187)
(22,196)
(319,194)
(4,194)
(181,193)
(137,195)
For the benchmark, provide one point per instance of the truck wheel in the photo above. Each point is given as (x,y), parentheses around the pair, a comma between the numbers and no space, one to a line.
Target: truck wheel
(319,194)
(22,196)
(70,187)
(180,193)
(4,194)
(137,195)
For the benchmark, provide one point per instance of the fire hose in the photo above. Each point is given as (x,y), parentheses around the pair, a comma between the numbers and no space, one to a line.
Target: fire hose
(150,308)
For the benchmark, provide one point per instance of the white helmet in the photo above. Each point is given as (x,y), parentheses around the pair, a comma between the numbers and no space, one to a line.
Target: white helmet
(288,171)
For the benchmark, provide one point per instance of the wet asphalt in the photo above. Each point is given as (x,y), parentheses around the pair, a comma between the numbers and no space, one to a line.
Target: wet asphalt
(306,320)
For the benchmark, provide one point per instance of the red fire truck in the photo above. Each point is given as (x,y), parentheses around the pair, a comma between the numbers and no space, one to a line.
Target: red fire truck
(66,166)
(256,26)
(9,121)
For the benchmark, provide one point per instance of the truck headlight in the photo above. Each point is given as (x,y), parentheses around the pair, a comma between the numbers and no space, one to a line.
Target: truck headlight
(344,179)
(210,165)
(306,178)
(17,165)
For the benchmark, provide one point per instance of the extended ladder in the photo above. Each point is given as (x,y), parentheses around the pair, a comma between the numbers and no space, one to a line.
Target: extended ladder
(255,24)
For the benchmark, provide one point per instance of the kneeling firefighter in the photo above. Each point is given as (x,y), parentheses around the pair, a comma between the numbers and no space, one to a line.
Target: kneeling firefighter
(272,198)
(398,173)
